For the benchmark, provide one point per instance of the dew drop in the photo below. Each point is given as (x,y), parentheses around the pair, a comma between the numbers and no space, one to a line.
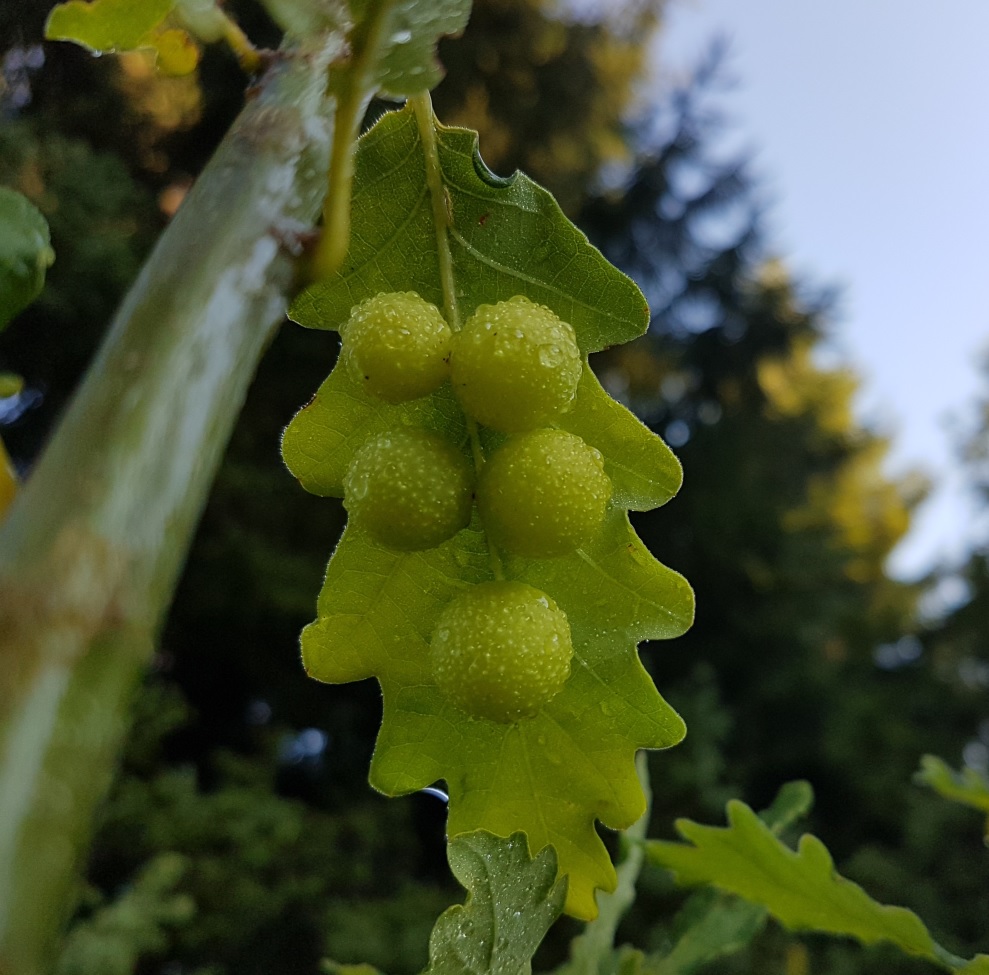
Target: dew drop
(550,356)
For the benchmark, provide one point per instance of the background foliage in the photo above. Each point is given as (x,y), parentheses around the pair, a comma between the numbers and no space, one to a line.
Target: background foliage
(241,835)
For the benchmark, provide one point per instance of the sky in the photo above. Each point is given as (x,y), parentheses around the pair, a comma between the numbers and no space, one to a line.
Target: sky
(869,128)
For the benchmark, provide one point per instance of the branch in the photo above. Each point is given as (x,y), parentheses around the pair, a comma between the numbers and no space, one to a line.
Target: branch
(90,553)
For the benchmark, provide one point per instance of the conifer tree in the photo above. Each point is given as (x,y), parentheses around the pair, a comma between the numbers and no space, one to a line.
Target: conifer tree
(787,519)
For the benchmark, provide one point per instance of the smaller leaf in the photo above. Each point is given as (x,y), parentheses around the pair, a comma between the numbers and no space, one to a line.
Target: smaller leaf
(106,25)
(801,889)
(396,248)
(512,901)
(968,787)
(792,803)
(712,925)
(113,26)
(25,255)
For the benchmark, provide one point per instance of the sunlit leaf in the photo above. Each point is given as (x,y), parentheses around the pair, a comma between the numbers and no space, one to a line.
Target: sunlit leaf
(512,901)
(554,774)
(177,52)
(25,254)
(106,25)
(113,26)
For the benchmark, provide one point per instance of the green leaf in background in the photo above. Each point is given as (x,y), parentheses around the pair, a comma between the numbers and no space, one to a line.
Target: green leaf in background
(712,924)
(554,774)
(512,901)
(968,787)
(25,255)
(109,26)
(801,888)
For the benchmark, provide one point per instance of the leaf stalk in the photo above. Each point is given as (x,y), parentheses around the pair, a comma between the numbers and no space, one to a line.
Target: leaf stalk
(353,93)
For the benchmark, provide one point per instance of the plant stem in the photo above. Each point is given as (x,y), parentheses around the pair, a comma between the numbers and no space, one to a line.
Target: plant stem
(353,90)
(91,550)
(246,53)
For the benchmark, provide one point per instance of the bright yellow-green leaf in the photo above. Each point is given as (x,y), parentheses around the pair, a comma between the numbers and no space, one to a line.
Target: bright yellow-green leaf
(109,26)
(551,775)
(106,25)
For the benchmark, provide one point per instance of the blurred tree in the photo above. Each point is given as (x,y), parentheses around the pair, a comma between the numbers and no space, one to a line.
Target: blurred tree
(102,224)
(549,86)
(801,662)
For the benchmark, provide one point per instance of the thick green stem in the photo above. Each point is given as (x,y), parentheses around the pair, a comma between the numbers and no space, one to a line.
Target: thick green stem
(91,550)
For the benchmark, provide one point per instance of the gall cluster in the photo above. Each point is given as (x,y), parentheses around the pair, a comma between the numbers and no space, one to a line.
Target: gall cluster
(501,650)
